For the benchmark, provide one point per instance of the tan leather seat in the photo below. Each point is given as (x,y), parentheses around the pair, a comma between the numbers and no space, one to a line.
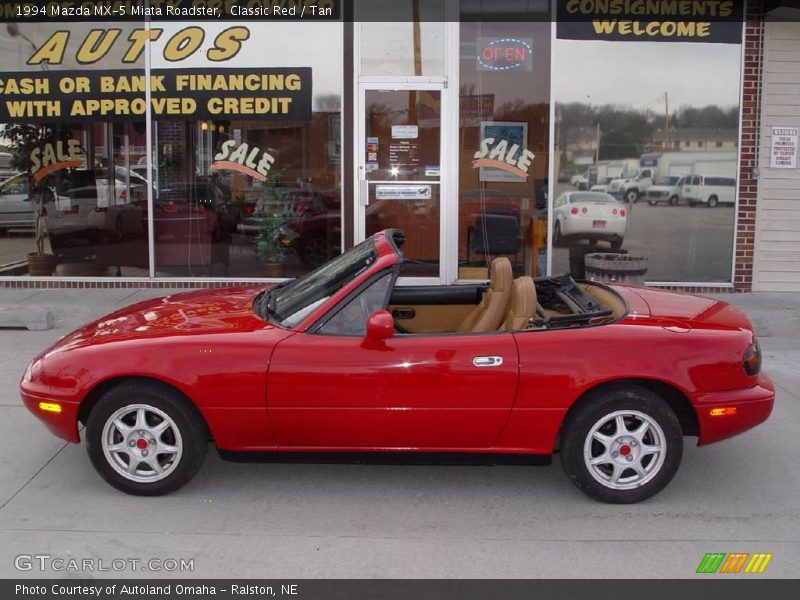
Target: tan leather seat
(523,304)
(489,314)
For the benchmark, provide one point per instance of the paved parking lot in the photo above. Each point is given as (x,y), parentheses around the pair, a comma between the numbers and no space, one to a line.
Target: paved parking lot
(238,520)
(681,243)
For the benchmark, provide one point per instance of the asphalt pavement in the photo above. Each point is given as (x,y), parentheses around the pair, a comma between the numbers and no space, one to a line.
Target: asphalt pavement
(319,521)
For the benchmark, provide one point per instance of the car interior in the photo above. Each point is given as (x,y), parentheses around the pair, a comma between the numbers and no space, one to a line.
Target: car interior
(504,304)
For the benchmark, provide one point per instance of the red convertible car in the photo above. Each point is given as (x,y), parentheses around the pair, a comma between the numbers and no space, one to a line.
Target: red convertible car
(344,365)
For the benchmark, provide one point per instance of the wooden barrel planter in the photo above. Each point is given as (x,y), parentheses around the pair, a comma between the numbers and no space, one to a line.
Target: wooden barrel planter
(41,264)
(616,268)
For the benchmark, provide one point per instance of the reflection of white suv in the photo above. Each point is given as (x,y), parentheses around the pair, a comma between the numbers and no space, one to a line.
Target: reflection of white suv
(666,189)
(710,190)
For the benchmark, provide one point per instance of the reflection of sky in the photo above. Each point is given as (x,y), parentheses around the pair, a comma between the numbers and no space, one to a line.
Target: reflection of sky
(638,73)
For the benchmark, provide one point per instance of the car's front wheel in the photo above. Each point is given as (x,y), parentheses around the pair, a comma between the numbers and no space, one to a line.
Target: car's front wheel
(623,444)
(145,439)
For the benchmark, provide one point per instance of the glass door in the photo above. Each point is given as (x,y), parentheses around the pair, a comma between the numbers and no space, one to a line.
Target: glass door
(400,170)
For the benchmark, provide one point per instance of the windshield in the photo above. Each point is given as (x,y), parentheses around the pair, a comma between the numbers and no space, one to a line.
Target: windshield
(592,197)
(631,175)
(292,302)
(667,181)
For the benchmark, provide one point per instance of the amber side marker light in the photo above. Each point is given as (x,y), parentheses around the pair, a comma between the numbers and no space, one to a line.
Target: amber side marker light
(723,412)
(50,407)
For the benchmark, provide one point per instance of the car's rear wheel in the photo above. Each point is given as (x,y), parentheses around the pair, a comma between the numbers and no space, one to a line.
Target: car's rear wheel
(145,439)
(622,445)
(632,196)
(616,243)
(674,201)
(712,202)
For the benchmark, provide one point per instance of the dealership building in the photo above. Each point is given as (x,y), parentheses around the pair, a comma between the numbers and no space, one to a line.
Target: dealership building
(159,150)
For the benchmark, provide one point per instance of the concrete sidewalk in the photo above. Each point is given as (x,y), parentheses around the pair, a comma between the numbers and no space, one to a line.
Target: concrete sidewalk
(240,520)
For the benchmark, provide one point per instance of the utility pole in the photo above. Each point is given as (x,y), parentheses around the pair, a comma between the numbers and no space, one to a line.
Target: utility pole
(597,146)
(666,122)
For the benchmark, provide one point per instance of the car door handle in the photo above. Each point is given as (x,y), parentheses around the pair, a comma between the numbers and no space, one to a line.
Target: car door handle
(487,361)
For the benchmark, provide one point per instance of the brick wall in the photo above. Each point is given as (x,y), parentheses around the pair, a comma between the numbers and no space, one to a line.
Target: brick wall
(751,116)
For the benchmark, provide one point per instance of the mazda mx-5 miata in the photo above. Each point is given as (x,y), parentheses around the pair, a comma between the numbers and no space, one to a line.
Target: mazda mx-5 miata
(343,364)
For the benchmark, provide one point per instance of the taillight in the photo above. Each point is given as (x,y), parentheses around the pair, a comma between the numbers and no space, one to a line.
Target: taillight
(574,210)
(751,362)
(621,212)
(123,195)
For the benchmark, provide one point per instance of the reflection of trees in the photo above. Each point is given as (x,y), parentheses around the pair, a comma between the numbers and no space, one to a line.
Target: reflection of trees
(626,131)
(707,117)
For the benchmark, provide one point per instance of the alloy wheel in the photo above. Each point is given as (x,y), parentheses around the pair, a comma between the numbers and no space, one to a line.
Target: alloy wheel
(624,450)
(142,443)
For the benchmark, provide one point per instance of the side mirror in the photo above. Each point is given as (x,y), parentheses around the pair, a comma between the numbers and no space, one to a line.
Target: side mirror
(380,326)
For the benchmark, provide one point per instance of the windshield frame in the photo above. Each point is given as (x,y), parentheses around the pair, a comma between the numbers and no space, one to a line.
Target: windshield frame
(321,285)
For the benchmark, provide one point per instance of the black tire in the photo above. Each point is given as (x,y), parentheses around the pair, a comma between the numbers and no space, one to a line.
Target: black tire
(193,440)
(674,201)
(616,243)
(603,404)
(632,196)
(713,201)
(557,238)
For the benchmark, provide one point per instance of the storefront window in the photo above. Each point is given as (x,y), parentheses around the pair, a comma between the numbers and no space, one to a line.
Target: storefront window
(253,188)
(645,120)
(73,193)
(402,37)
(503,145)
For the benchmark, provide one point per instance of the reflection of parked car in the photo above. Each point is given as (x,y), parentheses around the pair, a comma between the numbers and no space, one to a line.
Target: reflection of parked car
(93,214)
(581,182)
(16,209)
(315,232)
(7,169)
(207,196)
(601,185)
(699,189)
(666,189)
(589,215)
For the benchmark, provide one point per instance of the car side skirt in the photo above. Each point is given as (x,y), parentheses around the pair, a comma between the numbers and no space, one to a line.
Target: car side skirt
(390,458)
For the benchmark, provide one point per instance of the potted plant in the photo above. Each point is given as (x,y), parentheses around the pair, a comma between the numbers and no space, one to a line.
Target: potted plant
(24,139)
(271,215)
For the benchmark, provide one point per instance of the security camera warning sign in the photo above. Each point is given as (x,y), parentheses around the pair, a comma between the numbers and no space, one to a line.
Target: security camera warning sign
(280,94)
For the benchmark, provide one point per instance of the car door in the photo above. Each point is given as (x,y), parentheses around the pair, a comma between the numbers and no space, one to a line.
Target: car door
(329,389)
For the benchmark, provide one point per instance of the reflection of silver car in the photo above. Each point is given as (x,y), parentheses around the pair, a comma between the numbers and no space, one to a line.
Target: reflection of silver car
(94,212)
(16,209)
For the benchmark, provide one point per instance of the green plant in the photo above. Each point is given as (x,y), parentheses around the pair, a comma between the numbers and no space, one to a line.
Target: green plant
(24,139)
(271,215)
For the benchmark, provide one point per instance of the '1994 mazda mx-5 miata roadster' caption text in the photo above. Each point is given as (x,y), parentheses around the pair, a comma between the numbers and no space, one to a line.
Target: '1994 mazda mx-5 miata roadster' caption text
(342,364)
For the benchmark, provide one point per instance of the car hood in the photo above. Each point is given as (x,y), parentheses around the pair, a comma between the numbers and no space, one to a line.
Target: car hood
(679,310)
(188,313)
